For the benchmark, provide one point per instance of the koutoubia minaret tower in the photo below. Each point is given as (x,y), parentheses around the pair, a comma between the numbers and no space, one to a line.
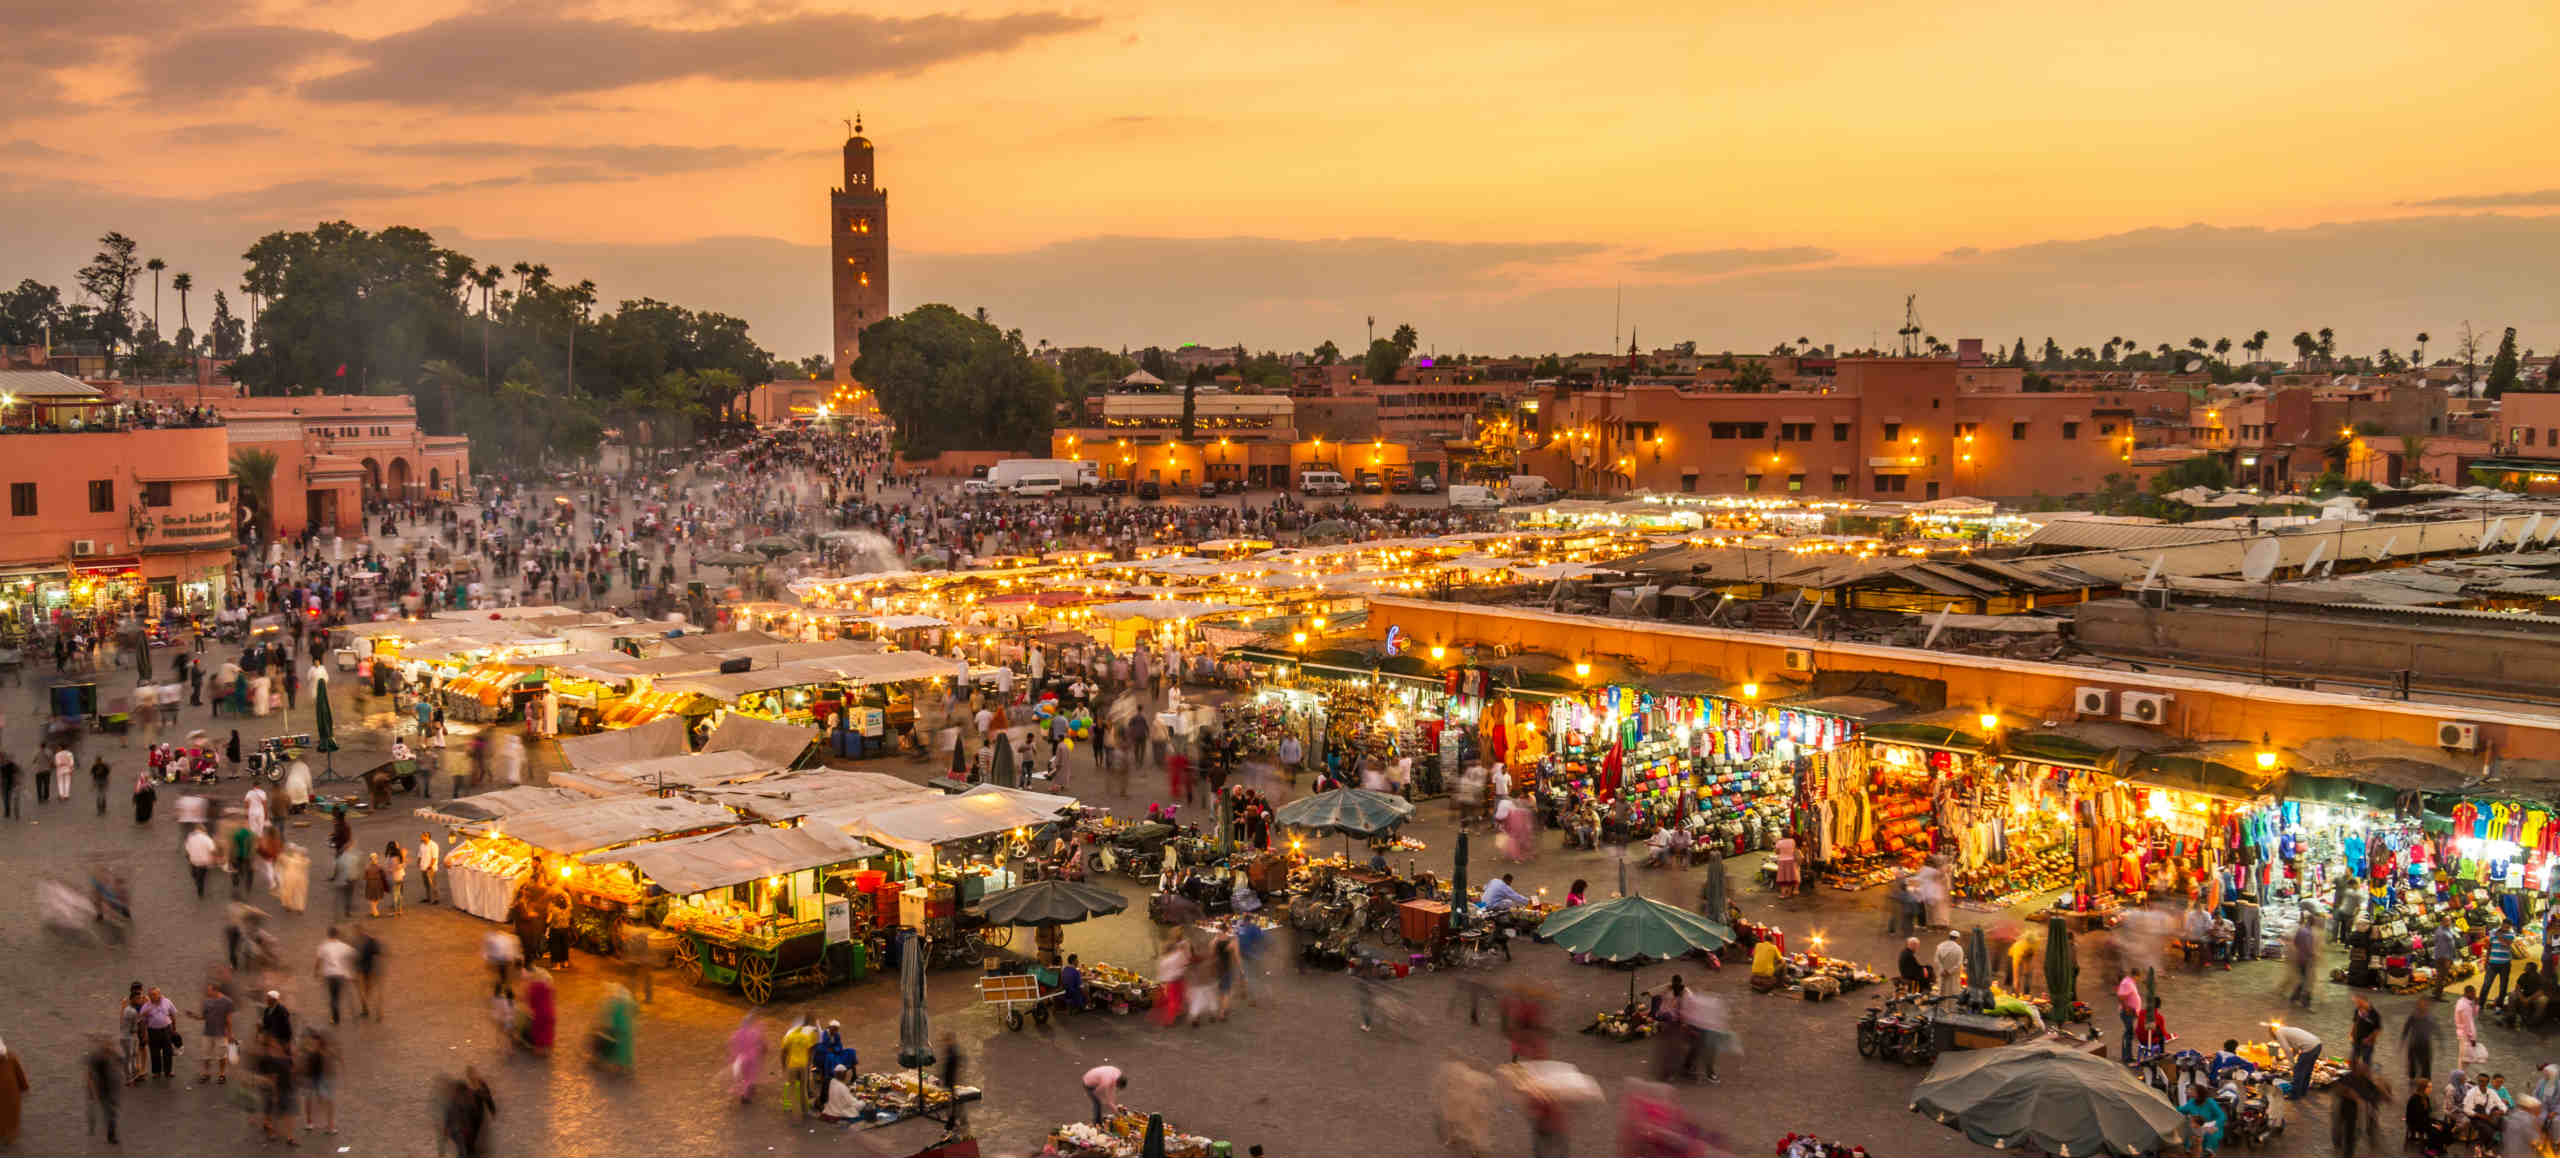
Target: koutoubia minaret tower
(861,250)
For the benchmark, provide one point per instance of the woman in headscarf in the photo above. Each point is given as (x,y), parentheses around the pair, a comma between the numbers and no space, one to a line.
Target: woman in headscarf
(231,752)
(746,1058)
(144,795)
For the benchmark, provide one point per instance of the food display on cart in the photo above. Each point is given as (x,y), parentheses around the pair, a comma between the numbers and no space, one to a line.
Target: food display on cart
(1122,1135)
(907,1093)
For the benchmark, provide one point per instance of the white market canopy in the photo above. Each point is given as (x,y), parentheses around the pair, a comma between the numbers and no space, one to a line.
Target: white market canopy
(825,796)
(688,770)
(919,826)
(733,856)
(770,741)
(659,738)
(498,805)
(1162,610)
(595,824)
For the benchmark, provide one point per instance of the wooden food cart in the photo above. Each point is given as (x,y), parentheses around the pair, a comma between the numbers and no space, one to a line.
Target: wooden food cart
(751,907)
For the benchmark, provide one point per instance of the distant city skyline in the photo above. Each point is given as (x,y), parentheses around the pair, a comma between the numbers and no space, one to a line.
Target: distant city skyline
(1155,173)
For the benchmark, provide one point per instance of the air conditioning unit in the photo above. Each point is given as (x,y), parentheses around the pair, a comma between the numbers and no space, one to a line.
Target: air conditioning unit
(84,546)
(2094,701)
(1800,659)
(2457,736)
(2143,707)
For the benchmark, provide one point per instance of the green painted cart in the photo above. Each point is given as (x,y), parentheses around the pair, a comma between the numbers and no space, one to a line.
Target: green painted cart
(762,960)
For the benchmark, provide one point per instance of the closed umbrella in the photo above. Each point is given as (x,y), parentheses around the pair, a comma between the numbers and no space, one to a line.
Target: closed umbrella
(914,1033)
(1152,1146)
(2050,1098)
(1977,970)
(1226,825)
(2061,966)
(1001,770)
(324,725)
(1458,907)
(1715,897)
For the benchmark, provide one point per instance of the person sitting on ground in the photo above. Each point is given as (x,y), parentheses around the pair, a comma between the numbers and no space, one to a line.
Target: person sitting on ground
(841,1105)
(2227,1060)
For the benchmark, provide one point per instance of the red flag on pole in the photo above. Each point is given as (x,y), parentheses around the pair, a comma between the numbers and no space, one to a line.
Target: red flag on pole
(342,370)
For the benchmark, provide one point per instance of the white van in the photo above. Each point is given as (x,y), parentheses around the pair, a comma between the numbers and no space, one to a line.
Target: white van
(1065,472)
(1473,498)
(1038,485)
(1529,488)
(1323,482)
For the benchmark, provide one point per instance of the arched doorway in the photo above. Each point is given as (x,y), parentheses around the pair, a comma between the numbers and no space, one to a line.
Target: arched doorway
(372,479)
(435,480)
(399,478)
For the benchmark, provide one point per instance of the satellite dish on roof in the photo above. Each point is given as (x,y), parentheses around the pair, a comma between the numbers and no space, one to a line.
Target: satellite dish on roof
(2151,575)
(2319,551)
(2489,538)
(2191,365)
(2384,552)
(2532,526)
(1937,626)
(2261,560)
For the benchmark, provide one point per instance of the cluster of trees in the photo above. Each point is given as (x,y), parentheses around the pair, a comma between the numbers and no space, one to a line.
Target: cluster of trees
(953,381)
(525,365)
(105,315)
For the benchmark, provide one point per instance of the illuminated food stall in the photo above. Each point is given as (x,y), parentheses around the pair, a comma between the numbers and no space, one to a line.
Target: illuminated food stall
(485,872)
(756,906)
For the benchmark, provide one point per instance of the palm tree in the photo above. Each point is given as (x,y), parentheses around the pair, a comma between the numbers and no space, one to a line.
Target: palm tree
(2419,358)
(155,265)
(2256,345)
(579,297)
(439,378)
(524,274)
(2413,450)
(183,283)
(487,280)
(255,473)
(2222,350)
(2328,344)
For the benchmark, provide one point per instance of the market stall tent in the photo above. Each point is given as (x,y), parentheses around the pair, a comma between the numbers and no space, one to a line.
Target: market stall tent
(734,856)
(689,770)
(658,738)
(498,805)
(821,796)
(599,824)
(919,826)
(771,741)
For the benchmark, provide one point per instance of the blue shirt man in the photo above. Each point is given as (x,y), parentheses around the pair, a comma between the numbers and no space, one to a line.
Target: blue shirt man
(1498,894)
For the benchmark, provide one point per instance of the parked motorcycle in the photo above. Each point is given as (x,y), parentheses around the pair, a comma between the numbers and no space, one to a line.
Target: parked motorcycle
(1898,1031)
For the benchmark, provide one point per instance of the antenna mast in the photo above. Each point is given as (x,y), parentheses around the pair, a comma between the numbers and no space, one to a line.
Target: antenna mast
(1910,330)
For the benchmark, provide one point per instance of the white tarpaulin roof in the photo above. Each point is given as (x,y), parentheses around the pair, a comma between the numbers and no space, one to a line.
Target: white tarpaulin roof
(770,741)
(1161,609)
(690,770)
(919,826)
(1047,802)
(660,737)
(697,863)
(498,805)
(903,622)
(826,796)
(595,824)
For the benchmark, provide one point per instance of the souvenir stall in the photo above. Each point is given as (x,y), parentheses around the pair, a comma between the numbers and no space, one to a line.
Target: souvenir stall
(1124,1135)
(755,906)
(2166,824)
(1896,810)
(1740,770)
(487,870)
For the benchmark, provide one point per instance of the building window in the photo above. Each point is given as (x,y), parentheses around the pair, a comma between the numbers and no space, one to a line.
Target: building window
(1892,483)
(1737,430)
(1893,432)
(2018,431)
(1966,429)
(222,490)
(1839,432)
(861,223)
(102,495)
(1839,483)
(1795,432)
(1751,482)
(22,499)
(1689,482)
(2070,430)
(1795,482)
(155,494)
(2106,428)
(2528,436)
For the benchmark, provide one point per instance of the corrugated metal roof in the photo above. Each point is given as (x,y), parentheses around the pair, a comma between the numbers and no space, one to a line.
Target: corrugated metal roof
(2093,535)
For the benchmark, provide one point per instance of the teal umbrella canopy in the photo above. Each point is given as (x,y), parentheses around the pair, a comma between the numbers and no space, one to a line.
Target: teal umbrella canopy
(1051,903)
(324,719)
(1633,928)
(1350,811)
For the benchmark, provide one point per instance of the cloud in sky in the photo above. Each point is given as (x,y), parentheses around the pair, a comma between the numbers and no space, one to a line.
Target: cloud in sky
(596,160)
(495,57)
(1711,262)
(227,60)
(2531,199)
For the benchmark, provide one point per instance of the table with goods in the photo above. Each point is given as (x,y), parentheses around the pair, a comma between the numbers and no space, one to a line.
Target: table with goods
(1121,1135)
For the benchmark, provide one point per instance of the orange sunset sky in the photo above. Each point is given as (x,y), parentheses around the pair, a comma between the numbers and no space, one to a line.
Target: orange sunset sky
(1135,172)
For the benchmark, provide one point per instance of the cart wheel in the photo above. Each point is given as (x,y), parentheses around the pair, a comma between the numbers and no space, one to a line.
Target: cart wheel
(1013,1019)
(1040,1013)
(997,936)
(755,977)
(689,959)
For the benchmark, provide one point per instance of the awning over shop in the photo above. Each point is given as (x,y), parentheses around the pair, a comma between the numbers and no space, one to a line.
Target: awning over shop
(2092,744)
(1952,730)
(1050,804)
(595,824)
(769,741)
(659,738)
(734,856)
(2213,769)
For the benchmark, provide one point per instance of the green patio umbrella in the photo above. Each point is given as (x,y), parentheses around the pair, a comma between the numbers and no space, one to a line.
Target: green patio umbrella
(324,724)
(2061,966)
(1633,929)
(775,545)
(1152,1146)
(1051,903)
(1349,811)
(1458,885)
(2051,1099)
(731,559)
